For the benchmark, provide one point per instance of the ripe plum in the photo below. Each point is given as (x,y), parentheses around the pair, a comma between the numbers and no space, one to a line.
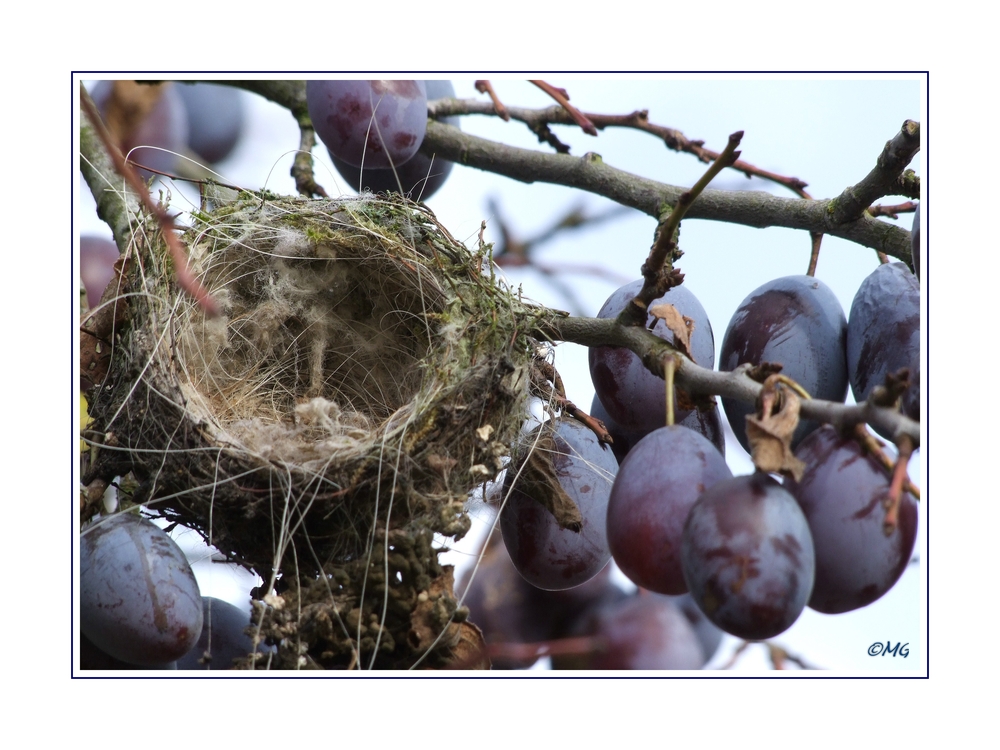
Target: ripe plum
(91,657)
(510,610)
(883,333)
(633,396)
(139,600)
(420,177)
(841,494)
(370,124)
(748,556)
(659,481)
(226,626)
(795,321)
(548,556)
(707,423)
(97,260)
(216,116)
(644,631)
(165,128)
(709,636)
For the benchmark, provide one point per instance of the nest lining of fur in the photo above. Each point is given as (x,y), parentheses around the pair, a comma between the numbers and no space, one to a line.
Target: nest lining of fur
(367,373)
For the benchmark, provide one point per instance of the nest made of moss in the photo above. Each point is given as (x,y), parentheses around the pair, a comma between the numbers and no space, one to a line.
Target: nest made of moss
(367,372)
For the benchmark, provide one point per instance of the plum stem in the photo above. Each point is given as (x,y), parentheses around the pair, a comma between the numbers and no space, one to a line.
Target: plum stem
(899,480)
(185,280)
(669,367)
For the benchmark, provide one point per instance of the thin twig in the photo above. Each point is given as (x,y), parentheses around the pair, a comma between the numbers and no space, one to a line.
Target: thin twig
(485,87)
(657,269)
(674,139)
(698,380)
(892,212)
(185,280)
(562,98)
(590,173)
(899,480)
(872,446)
(883,179)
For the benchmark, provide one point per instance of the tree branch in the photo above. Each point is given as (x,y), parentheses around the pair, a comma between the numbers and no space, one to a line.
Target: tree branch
(117,202)
(750,208)
(883,180)
(538,121)
(100,138)
(590,173)
(697,380)
(292,96)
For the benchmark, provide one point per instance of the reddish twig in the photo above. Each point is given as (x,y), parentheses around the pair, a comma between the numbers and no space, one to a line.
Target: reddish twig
(672,138)
(872,445)
(485,87)
(562,98)
(542,374)
(899,479)
(892,211)
(675,140)
(779,656)
(551,374)
(578,646)
(185,280)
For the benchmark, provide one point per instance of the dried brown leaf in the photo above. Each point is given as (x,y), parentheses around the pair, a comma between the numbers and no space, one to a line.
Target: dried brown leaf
(680,325)
(538,480)
(770,434)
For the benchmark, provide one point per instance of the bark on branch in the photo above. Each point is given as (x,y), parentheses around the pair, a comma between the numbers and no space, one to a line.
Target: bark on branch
(883,180)
(590,173)
(652,350)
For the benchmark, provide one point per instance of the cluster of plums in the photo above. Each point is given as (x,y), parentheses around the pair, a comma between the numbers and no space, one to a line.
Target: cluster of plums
(205,119)
(141,608)
(373,130)
(750,551)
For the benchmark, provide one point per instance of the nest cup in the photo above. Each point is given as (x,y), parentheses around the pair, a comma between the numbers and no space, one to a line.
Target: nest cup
(366,374)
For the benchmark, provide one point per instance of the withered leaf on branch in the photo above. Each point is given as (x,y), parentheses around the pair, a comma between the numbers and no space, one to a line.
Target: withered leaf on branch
(680,325)
(763,371)
(770,434)
(538,480)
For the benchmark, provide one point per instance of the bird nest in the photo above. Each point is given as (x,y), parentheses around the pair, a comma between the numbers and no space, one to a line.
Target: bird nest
(366,374)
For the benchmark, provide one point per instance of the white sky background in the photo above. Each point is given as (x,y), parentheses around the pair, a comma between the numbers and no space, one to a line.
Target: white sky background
(827,131)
